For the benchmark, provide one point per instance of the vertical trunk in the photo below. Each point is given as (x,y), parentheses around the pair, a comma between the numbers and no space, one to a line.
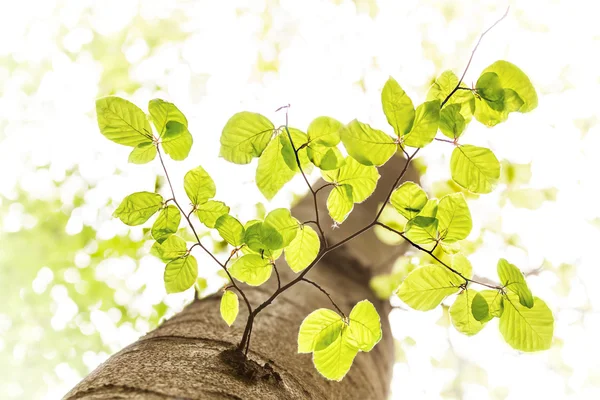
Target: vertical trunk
(187,358)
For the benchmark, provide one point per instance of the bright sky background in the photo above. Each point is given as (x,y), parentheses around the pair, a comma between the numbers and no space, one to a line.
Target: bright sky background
(215,58)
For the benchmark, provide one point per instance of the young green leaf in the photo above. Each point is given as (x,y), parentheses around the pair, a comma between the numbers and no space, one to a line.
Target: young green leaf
(303,249)
(462,264)
(323,157)
(143,153)
(340,202)
(137,208)
(480,308)
(527,329)
(335,360)
(318,330)
(259,238)
(273,172)
(422,230)
(444,85)
(454,218)
(287,151)
(177,140)
(397,107)
(230,229)
(424,128)
(122,121)
(368,146)
(474,168)
(490,90)
(230,306)
(513,280)
(173,247)
(426,287)
(511,77)
(452,122)
(208,213)
(281,221)
(161,112)
(409,199)
(166,224)
(324,131)
(199,186)
(495,302)
(251,269)
(364,325)
(461,314)
(362,178)
(181,274)
(245,136)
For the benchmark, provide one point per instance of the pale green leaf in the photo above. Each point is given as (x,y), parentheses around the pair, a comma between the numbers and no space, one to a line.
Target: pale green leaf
(426,287)
(303,249)
(181,274)
(364,326)
(166,224)
(287,151)
(245,136)
(480,308)
(397,107)
(340,202)
(495,302)
(334,361)
(173,247)
(251,269)
(122,121)
(444,85)
(208,213)
(324,157)
(324,131)
(162,112)
(273,172)
(281,221)
(318,330)
(409,199)
(461,314)
(230,229)
(422,230)
(474,168)
(452,122)
(143,153)
(137,208)
(255,237)
(199,186)
(527,329)
(462,264)
(230,306)
(514,281)
(454,218)
(424,128)
(177,140)
(362,178)
(511,77)
(367,145)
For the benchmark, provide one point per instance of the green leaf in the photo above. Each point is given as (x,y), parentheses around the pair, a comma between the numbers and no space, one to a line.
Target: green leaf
(365,326)
(230,229)
(527,329)
(273,172)
(177,141)
(122,122)
(137,208)
(334,361)
(462,264)
(452,122)
(208,213)
(143,153)
(461,314)
(490,90)
(303,249)
(245,136)
(368,146)
(422,230)
(409,199)
(199,186)
(454,218)
(443,86)
(480,308)
(511,77)
(324,131)
(318,330)
(181,274)
(300,139)
(161,112)
(340,202)
(397,107)
(251,269)
(424,128)
(513,280)
(173,247)
(166,224)
(495,302)
(282,221)
(362,178)
(426,287)
(474,168)
(256,233)
(230,306)
(323,157)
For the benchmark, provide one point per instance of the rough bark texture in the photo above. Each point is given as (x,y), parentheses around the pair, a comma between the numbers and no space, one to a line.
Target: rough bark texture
(187,358)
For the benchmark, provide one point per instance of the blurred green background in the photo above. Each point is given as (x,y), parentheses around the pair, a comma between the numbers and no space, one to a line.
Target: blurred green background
(76,285)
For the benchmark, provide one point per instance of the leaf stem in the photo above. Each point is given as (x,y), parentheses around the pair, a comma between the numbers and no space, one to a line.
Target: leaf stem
(326,294)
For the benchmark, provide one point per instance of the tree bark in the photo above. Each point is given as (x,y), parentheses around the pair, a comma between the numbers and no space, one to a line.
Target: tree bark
(190,355)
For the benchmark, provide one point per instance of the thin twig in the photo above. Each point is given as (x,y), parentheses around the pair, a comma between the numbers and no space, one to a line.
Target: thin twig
(326,294)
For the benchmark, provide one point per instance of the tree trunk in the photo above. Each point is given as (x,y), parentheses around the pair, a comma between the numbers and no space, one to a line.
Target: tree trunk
(187,356)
